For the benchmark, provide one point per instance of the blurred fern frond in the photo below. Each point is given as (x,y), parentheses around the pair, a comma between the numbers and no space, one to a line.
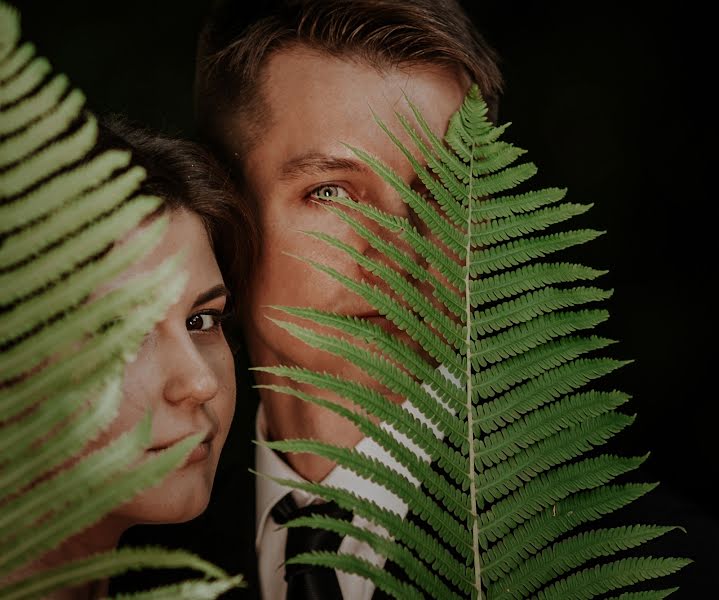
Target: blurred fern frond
(61,208)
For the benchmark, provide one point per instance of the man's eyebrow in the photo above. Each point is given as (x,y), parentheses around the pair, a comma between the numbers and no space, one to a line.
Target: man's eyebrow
(216,291)
(315,162)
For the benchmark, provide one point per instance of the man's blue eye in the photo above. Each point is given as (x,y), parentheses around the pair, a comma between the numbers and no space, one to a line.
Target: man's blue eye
(327,192)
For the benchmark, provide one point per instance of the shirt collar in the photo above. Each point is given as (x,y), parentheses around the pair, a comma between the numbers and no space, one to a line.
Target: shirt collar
(269,492)
(269,464)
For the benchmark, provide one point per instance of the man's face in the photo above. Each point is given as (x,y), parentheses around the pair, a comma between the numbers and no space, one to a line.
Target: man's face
(317,104)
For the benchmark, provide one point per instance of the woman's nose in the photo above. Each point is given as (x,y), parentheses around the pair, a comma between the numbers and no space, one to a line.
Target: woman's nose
(189,377)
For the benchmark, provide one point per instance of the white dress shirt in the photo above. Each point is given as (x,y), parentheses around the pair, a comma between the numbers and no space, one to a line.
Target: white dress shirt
(271,539)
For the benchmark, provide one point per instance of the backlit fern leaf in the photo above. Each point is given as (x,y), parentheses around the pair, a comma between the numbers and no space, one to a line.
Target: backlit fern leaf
(498,368)
(63,356)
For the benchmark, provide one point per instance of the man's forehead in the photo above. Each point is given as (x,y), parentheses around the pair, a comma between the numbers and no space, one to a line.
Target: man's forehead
(302,60)
(296,74)
(317,104)
(311,91)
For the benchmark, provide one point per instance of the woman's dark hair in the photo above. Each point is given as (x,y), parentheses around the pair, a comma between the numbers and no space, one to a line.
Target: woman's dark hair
(186,176)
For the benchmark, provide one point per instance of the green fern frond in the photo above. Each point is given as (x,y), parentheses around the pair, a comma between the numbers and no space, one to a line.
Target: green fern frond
(531,305)
(409,534)
(109,564)
(358,566)
(519,339)
(187,590)
(407,320)
(403,291)
(542,389)
(505,206)
(406,265)
(390,346)
(22,54)
(10,34)
(453,499)
(447,233)
(51,159)
(425,579)
(548,489)
(58,300)
(507,228)
(649,595)
(506,413)
(62,212)
(420,244)
(53,338)
(41,132)
(497,481)
(504,375)
(76,217)
(519,251)
(611,576)
(371,469)
(22,84)
(43,201)
(387,374)
(449,459)
(539,531)
(20,115)
(497,155)
(569,554)
(540,424)
(94,502)
(30,277)
(117,343)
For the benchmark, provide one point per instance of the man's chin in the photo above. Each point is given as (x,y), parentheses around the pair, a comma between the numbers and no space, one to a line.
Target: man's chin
(410,345)
(356,375)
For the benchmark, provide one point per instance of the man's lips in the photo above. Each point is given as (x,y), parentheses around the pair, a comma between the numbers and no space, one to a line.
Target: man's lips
(382,321)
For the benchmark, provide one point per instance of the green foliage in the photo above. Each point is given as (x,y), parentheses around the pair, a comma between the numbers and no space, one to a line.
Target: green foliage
(501,358)
(63,354)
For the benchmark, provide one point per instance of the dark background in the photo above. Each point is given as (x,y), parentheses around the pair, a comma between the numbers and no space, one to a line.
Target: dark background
(612,102)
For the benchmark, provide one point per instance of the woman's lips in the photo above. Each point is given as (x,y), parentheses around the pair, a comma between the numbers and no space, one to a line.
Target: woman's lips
(199,453)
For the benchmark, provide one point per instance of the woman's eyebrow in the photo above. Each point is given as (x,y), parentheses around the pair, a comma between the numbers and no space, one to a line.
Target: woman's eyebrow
(214,292)
(315,162)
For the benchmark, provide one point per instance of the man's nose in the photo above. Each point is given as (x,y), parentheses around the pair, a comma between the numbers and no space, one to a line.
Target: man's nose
(189,378)
(391,203)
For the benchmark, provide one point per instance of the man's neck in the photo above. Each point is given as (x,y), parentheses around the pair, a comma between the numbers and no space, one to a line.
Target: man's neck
(288,417)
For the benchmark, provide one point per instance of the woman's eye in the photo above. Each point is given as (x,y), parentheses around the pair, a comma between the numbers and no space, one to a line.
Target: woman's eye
(202,322)
(327,192)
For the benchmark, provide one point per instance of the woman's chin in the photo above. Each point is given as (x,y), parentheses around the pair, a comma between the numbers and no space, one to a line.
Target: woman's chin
(166,505)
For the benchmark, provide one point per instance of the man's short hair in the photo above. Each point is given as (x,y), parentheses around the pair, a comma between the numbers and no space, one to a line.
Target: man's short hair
(239,37)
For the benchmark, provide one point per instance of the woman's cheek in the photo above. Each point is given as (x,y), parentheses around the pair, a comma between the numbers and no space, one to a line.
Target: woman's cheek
(223,365)
(141,384)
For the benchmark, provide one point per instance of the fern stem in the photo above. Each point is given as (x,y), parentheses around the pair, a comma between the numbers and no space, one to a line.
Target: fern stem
(470,405)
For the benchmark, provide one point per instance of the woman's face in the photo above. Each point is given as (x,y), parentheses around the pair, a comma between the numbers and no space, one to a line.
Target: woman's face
(184,375)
